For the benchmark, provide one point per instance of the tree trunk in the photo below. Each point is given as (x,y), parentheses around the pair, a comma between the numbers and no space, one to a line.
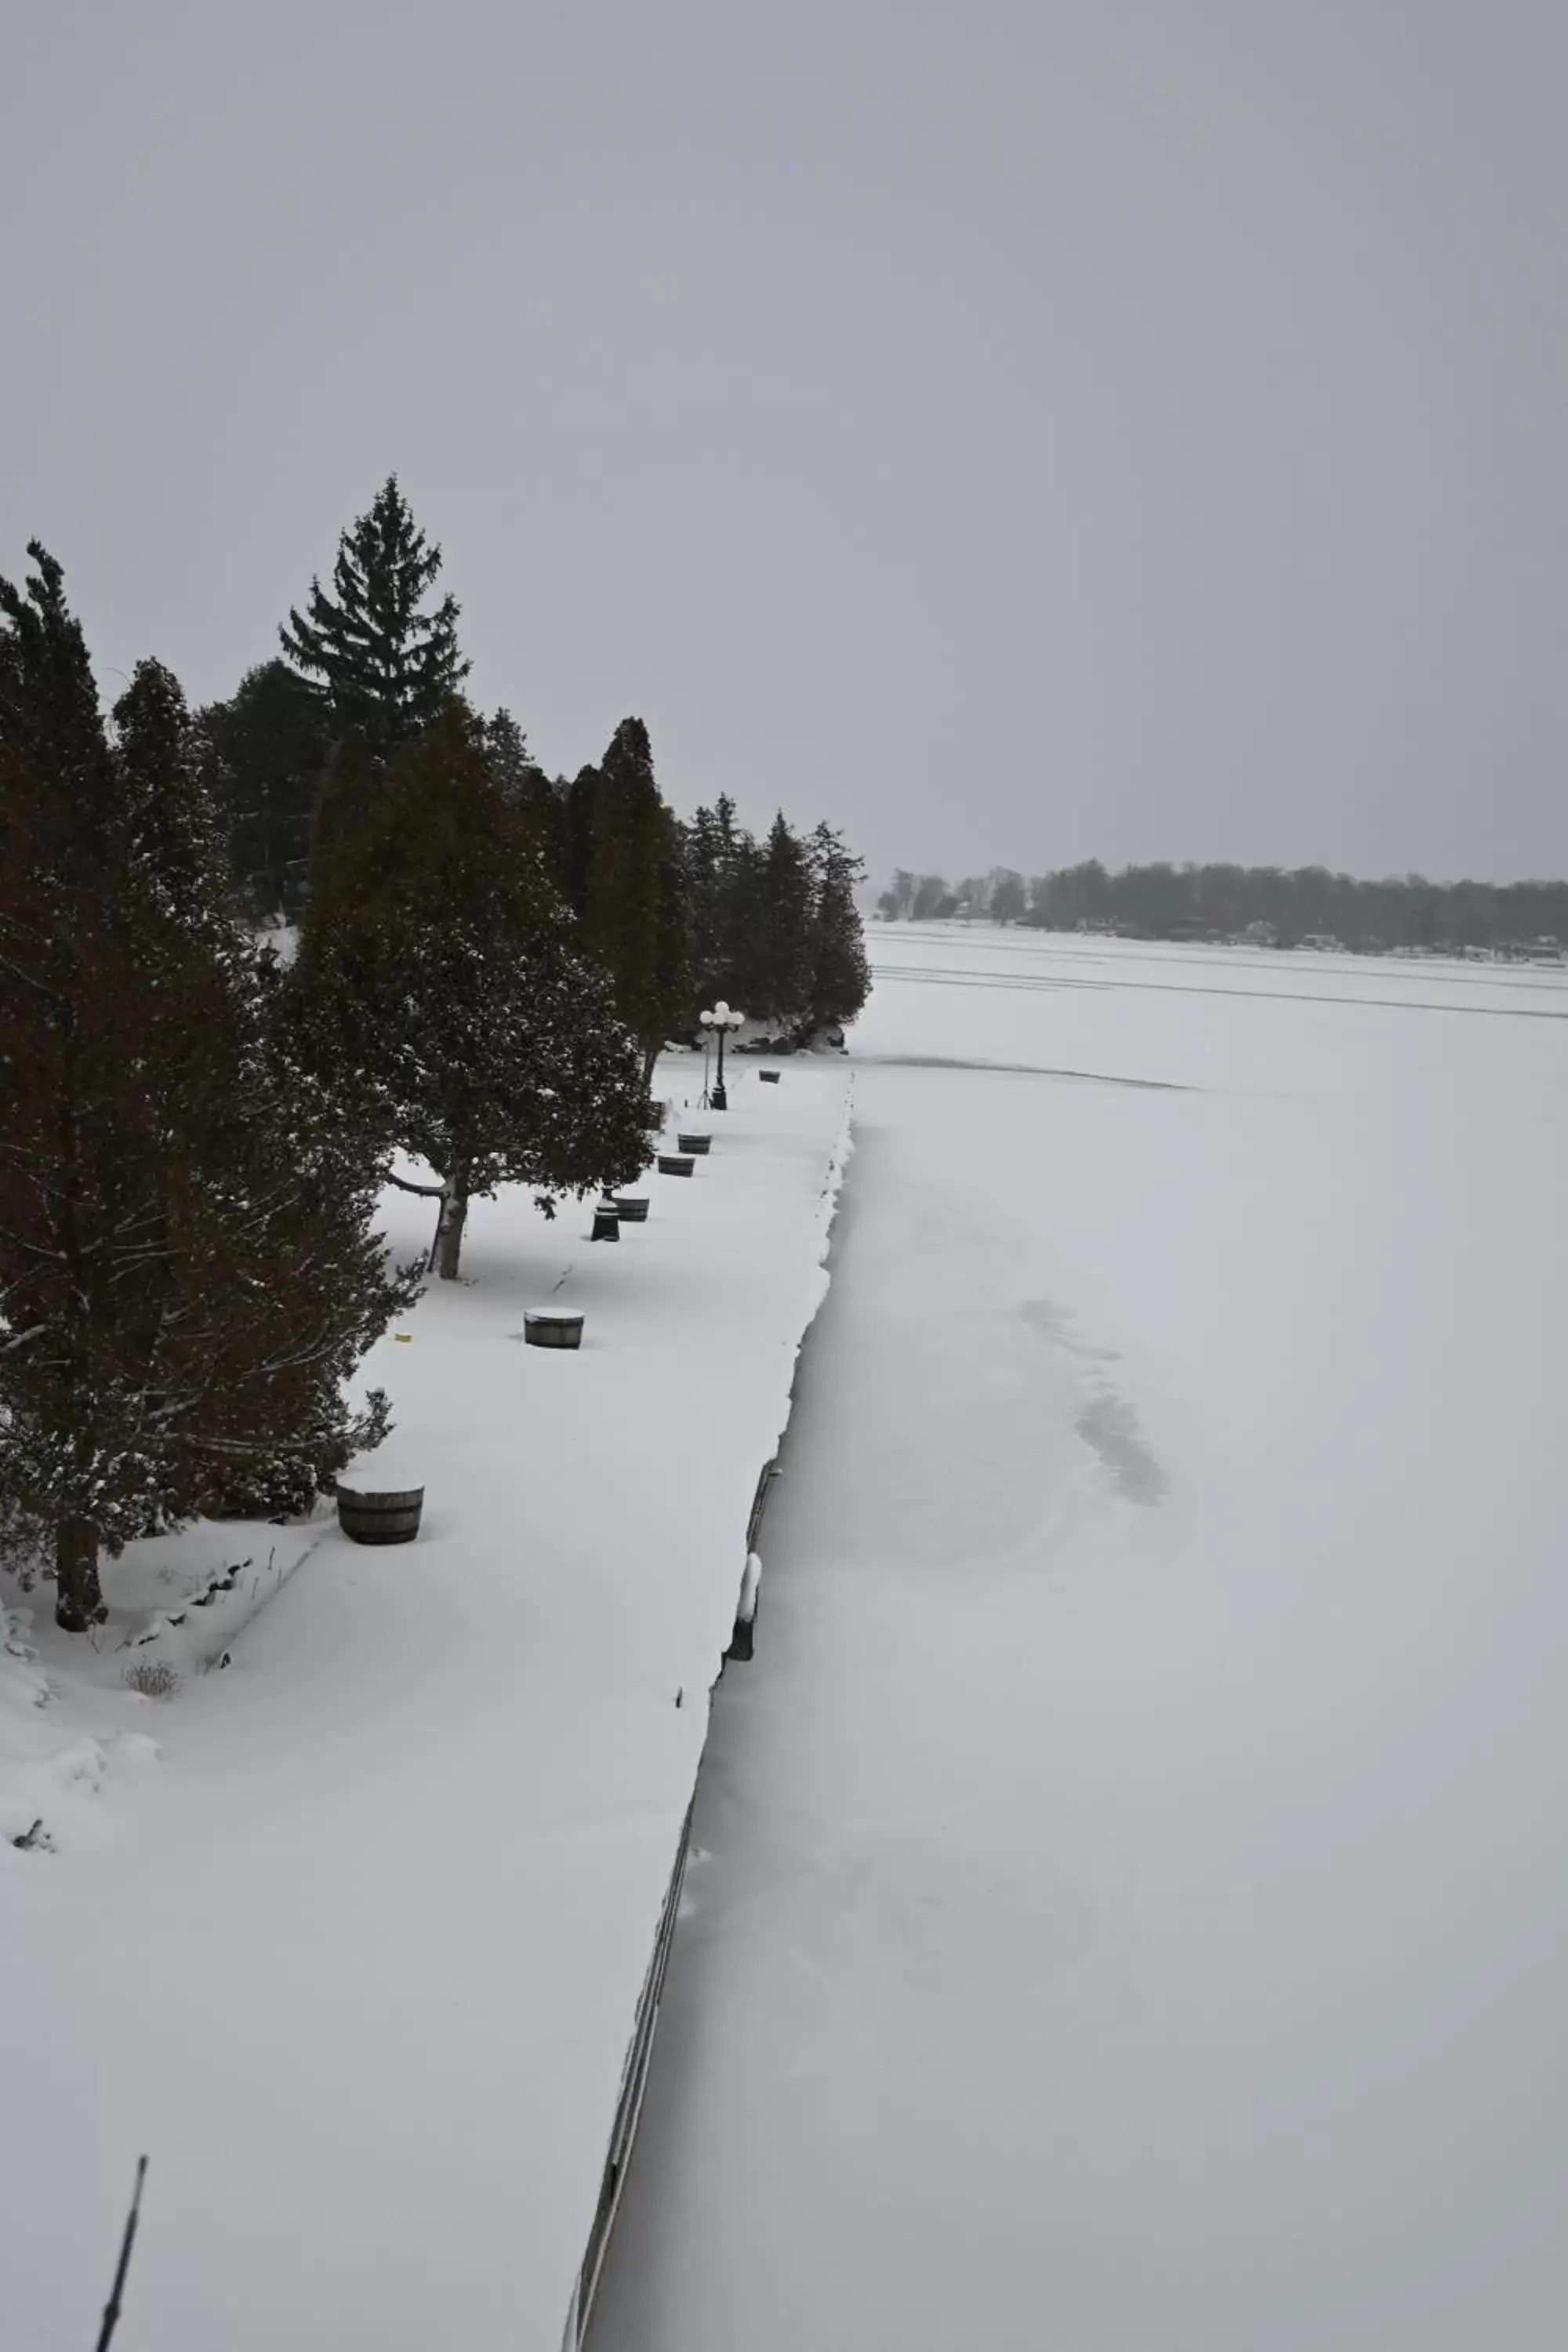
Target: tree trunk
(79,1596)
(449,1224)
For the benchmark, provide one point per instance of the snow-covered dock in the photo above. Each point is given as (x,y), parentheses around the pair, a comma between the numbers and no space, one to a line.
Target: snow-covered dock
(355,1952)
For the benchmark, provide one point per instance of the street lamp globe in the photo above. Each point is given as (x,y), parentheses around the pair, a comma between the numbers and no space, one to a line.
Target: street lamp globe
(720,1019)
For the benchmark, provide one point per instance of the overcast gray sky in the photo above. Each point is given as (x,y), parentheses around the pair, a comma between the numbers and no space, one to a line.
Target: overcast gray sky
(1021,432)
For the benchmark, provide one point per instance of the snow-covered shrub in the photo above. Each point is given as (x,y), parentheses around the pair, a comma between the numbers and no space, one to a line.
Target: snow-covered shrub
(153,1677)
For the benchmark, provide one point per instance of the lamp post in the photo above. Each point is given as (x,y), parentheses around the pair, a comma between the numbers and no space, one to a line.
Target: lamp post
(721,1021)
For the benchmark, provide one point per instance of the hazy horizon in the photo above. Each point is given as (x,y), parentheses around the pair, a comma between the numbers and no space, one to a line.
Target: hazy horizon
(1020,436)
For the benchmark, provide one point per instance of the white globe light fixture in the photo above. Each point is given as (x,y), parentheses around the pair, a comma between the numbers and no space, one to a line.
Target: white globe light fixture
(721,1021)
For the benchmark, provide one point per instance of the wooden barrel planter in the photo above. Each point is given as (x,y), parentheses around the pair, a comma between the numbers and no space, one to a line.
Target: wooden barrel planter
(552,1327)
(672,1163)
(700,1145)
(633,1207)
(743,1641)
(769,1077)
(606,1224)
(369,1515)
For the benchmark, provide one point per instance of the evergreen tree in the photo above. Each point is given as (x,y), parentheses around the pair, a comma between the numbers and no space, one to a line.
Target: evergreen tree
(1009,903)
(524,785)
(701,879)
(840,975)
(519,780)
(269,743)
(74,1156)
(780,978)
(382,662)
(634,923)
(346,795)
(577,825)
(283,1273)
(175,1289)
(727,897)
(437,974)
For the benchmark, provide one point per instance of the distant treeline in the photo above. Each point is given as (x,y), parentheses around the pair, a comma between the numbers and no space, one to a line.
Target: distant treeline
(1172,902)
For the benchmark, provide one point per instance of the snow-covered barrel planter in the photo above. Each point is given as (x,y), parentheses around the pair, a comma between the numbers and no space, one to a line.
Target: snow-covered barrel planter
(606,1223)
(379,1515)
(743,1641)
(674,1163)
(552,1327)
(699,1145)
(633,1207)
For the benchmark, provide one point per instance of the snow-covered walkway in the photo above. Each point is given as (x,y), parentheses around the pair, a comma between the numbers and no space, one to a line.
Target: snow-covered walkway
(356,1959)
(1132,1916)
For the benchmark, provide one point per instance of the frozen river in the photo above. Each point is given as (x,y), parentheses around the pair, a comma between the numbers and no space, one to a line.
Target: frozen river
(1132,1906)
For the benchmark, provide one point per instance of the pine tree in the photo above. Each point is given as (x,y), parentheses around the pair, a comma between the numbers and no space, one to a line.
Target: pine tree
(75,1156)
(437,974)
(699,858)
(578,823)
(709,858)
(283,1282)
(634,923)
(672,996)
(781,980)
(382,662)
(725,899)
(524,786)
(181,1275)
(346,795)
(514,772)
(1009,900)
(840,975)
(270,745)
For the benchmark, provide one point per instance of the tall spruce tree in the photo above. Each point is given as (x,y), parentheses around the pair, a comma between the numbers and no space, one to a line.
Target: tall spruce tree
(438,976)
(634,923)
(181,1282)
(382,662)
(699,857)
(710,846)
(270,745)
(578,823)
(524,786)
(726,898)
(780,975)
(284,1279)
(840,975)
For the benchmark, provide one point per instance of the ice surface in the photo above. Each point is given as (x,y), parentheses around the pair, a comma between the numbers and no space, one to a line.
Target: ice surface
(1133,1913)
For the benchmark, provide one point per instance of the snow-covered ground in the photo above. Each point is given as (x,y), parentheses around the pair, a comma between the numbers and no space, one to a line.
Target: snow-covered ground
(1132,1914)
(349,1936)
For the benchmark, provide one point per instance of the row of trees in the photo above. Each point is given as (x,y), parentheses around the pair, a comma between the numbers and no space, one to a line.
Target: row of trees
(675,913)
(1000,897)
(484,966)
(1164,901)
